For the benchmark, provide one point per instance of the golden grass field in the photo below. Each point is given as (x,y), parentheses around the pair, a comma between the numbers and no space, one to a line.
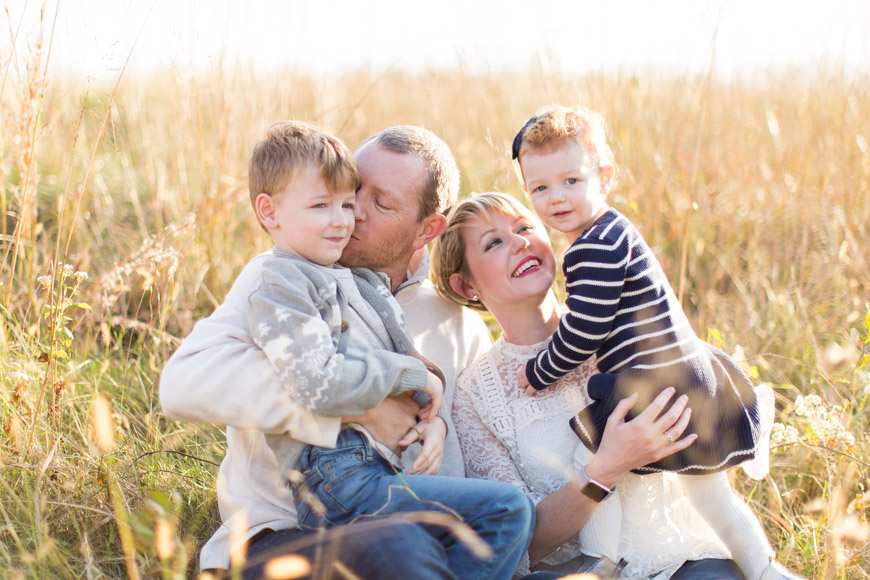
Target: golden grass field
(126,217)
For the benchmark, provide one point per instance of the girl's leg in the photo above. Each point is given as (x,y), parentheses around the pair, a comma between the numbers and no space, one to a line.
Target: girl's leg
(600,536)
(732,520)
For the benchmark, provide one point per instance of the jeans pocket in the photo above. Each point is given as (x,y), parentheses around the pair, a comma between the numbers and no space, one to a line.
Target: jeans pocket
(338,478)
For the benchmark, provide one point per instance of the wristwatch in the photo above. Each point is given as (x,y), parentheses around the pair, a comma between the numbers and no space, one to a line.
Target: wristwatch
(594,490)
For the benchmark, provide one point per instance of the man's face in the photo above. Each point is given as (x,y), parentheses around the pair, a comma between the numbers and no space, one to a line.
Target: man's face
(387,204)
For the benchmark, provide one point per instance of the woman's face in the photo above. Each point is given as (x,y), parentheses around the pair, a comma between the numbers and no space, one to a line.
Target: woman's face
(509,259)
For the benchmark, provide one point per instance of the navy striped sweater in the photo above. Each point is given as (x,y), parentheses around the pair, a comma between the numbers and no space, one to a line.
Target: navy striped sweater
(622,308)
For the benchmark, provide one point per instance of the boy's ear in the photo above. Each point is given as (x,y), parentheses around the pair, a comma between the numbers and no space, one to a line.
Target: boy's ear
(264,207)
(606,178)
(430,228)
(461,287)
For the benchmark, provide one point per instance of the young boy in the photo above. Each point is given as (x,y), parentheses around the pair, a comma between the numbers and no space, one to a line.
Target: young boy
(623,310)
(336,339)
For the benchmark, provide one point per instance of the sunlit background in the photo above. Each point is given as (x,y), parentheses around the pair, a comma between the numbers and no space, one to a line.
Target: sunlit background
(738,38)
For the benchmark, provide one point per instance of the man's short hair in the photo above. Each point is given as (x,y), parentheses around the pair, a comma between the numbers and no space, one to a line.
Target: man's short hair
(288,148)
(440,187)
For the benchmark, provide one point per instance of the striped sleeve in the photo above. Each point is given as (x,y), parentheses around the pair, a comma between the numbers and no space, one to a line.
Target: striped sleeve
(595,272)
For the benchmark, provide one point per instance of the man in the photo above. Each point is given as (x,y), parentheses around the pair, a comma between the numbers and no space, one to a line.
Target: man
(219,376)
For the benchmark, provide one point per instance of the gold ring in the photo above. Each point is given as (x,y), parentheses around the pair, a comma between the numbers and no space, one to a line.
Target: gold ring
(426,456)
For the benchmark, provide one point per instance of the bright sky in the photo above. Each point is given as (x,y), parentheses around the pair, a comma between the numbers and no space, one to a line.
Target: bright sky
(746,37)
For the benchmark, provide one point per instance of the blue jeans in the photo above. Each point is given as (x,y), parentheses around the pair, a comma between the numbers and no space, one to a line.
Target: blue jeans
(356,484)
(390,549)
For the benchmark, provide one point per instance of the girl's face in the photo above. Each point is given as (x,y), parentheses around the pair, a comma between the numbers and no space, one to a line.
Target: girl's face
(509,260)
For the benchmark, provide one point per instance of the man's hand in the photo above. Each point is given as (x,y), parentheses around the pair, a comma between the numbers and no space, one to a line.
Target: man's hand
(431,435)
(629,445)
(390,421)
(523,382)
(435,389)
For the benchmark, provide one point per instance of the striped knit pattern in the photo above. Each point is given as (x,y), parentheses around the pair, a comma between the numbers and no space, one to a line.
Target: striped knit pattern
(623,310)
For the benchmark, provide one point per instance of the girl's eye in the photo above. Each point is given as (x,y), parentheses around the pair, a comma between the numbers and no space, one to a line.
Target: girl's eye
(539,188)
(571,180)
(348,205)
(491,244)
(525,228)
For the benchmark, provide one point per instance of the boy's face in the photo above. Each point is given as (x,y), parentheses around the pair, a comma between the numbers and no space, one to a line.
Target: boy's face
(308,220)
(567,190)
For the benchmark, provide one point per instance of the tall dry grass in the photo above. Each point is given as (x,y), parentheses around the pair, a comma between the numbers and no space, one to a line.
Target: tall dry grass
(755,198)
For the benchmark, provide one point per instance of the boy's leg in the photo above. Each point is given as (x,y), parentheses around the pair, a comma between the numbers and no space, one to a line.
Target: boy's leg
(732,520)
(356,484)
(499,513)
(600,535)
(390,549)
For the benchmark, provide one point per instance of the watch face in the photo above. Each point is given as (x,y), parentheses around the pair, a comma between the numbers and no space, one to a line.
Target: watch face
(594,491)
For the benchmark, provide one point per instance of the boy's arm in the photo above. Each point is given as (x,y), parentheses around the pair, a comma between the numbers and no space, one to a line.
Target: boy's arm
(219,376)
(297,323)
(595,273)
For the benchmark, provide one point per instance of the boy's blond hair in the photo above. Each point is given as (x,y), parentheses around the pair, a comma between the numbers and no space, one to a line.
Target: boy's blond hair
(288,147)
(448,253)
(553,124)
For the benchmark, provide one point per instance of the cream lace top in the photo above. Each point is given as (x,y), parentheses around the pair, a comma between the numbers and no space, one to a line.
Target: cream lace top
(508,436)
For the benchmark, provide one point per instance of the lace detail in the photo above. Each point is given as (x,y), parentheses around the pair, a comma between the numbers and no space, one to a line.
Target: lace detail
(508,436)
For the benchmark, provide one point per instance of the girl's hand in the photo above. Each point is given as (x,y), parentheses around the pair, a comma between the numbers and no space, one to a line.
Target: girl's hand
(435,389)
(431,435)
(523,382)
(629,445)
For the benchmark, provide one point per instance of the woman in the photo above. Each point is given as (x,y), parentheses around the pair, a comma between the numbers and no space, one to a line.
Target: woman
(496,256)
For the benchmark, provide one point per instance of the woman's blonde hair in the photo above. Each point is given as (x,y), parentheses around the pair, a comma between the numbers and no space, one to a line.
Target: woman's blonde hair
(448,253)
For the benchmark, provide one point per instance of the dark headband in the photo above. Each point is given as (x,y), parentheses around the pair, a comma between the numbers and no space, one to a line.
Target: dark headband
(518,140)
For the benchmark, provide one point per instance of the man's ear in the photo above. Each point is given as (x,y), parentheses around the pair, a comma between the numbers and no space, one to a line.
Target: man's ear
(431,227)
(606,178)
(264,207)
(461,287)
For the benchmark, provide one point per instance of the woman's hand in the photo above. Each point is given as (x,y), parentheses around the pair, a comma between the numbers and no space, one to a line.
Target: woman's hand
(431,435)
(645,439)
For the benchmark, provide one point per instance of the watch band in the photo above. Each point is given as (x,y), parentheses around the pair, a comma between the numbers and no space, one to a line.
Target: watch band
(594,490)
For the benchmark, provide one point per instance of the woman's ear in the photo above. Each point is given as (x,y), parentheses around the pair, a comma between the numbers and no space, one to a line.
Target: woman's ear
(264,207)
(606,178)
(461,287)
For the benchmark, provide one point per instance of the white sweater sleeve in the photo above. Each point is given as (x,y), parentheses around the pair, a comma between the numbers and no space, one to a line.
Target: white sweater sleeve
(219,376)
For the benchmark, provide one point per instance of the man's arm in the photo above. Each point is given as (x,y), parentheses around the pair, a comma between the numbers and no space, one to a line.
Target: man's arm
(219,376)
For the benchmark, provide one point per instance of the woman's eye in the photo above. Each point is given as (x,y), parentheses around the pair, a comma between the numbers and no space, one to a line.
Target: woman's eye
(491,244)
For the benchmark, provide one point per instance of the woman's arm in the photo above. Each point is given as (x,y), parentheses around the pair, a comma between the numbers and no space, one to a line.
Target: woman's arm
(624,446)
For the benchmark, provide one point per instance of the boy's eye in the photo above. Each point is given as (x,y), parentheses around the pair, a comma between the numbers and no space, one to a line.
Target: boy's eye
(571,180)
(348,205)
(539,188)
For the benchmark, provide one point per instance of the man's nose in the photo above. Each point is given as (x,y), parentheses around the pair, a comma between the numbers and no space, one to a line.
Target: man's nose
(359,208)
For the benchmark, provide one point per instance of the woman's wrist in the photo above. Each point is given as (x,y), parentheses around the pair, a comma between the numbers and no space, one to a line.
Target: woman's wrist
(599,470)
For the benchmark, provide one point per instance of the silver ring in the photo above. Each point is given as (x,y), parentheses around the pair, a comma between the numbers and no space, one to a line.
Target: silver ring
(668,436)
